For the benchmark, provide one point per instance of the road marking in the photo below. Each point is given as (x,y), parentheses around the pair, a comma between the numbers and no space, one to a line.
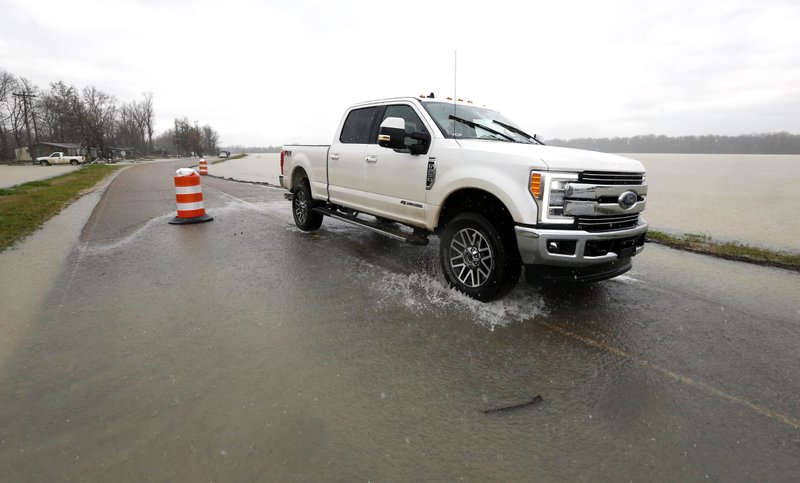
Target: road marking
(685,380)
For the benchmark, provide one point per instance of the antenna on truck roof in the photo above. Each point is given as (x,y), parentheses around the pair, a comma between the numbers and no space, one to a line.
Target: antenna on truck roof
(455,84)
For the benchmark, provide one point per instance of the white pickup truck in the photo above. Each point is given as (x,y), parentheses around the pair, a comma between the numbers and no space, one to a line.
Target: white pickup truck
(59,158)
(497,197)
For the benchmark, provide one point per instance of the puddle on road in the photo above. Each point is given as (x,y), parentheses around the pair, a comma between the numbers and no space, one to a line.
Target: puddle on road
(422,292)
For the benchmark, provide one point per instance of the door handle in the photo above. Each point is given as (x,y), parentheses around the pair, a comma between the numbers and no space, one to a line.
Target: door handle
(371,159)
(334,156)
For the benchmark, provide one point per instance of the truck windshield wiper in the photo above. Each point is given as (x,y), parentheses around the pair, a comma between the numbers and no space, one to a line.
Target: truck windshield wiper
(518,131)
(475,125)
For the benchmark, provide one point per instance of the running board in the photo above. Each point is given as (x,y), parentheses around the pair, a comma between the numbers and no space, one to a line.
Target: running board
(391,232)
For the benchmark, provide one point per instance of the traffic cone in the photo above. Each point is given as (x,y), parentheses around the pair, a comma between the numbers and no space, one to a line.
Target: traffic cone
(203,167)
(189,198)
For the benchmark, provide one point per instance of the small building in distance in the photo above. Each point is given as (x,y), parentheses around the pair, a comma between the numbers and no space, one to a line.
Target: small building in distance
(44,148)
(121,153)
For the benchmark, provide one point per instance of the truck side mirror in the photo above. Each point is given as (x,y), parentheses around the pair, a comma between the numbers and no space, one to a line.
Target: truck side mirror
(424,142)
(392,133)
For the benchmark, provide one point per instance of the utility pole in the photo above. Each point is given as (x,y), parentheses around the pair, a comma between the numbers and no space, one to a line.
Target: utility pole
(25,96)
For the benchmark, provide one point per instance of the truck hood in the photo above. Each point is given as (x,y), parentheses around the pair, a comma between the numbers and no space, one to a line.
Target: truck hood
(557,159)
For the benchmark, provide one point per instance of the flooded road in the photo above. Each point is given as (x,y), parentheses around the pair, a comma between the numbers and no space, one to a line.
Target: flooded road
(244,349)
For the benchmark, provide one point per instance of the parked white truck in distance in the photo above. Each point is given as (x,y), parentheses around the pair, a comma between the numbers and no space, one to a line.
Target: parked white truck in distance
(497,197)
(59,158)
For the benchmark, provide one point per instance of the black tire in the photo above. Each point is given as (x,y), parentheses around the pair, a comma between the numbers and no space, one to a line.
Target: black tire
(476,259)
(44,163)
(302,204)
(74,162)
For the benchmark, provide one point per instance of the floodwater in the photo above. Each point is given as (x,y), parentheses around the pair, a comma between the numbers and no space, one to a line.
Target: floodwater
(733,197)
(255,167)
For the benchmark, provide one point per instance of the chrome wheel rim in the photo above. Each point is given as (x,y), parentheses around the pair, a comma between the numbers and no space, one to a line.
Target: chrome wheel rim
(300,206)
(471,257)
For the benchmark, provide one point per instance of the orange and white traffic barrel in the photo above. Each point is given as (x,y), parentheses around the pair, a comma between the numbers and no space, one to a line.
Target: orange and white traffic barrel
(203,167)
(189,198)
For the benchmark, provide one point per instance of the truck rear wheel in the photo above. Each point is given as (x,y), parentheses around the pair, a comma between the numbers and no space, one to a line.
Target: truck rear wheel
(476,260)
(74,162)
(302,204)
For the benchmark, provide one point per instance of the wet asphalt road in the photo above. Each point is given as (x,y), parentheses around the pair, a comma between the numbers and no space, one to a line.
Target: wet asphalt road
(244,349)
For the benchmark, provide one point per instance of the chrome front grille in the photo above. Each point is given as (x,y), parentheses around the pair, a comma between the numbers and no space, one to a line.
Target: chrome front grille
(610,177)
(606,223)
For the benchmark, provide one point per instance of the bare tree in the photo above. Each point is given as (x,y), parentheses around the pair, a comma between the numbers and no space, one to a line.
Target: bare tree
(64,119)
(128,132)
(164,143)
(100,110)
(7,85)
(148,118)
(210,138)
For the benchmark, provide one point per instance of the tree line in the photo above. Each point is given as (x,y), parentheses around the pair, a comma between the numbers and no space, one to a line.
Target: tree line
(90,117)
(767,143)
(187,139)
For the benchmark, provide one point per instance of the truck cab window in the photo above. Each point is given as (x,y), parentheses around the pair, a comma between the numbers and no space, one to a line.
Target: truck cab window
(413,121)
(358,126)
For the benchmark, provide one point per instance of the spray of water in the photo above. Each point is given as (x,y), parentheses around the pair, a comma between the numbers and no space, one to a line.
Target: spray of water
(425,293)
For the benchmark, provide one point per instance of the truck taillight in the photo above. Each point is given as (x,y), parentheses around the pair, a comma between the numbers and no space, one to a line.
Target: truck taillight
(536,185)
(282,156)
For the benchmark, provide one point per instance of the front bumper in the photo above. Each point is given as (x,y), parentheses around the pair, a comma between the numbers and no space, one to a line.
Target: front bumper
(583,248)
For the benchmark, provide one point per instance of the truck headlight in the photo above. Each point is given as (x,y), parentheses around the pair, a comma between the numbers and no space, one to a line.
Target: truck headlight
(557,188)
(550,188)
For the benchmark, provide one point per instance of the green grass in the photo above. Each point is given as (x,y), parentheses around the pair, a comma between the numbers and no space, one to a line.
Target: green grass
(238,156)
(699,243)
(24,208)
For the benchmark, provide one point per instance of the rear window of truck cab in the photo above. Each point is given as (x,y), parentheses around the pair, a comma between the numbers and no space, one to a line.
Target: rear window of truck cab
(357,127)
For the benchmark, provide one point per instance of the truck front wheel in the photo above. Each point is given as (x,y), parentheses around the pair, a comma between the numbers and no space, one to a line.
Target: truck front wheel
(476,260)
(302,204)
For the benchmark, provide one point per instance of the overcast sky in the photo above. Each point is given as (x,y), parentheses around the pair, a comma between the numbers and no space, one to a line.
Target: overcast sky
(274,72)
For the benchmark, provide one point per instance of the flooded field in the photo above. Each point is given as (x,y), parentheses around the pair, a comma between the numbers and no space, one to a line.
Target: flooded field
(747,198)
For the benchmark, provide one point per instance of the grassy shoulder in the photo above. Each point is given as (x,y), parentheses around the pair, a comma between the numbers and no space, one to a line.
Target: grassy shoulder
(238,156)
(24,208)
(731,251)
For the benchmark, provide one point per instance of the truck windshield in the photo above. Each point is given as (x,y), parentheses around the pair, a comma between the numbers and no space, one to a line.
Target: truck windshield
(474,122)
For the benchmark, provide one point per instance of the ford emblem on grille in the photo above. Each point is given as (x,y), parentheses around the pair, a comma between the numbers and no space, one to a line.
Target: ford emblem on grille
(627,199)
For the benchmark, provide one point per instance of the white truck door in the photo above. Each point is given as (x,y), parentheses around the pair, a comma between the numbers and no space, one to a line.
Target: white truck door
(395,180)
(346,158)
